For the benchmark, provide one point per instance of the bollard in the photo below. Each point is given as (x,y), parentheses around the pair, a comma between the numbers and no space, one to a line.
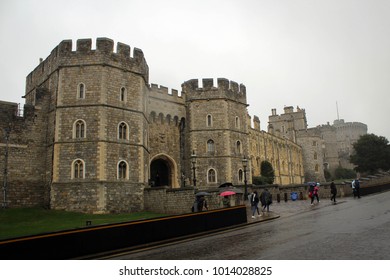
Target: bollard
(278,197)
(285,197)
(300,196)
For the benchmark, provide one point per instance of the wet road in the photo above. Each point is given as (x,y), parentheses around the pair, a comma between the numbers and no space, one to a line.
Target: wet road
(351,229)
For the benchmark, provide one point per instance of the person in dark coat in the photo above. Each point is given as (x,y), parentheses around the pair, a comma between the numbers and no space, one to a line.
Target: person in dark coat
(266,200)
(333,191)
(202,203)
(313,192)
(356,188)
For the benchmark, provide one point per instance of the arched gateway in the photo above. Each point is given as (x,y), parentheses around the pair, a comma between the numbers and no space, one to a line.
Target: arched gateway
(162,171)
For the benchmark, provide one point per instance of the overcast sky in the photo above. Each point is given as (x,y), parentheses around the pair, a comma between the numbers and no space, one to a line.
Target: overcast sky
(306,53)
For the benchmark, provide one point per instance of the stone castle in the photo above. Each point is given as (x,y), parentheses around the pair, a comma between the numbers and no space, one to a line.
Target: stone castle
(94,134)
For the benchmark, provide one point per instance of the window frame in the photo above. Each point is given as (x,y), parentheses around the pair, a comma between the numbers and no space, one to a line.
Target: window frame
(210,146)
(119,175)
(123,94)
(81,94)
(76,130)
(120,132)
(74,169)
(210,176)
(209,120)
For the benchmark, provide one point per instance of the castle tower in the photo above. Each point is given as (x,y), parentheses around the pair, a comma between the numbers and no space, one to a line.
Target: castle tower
(217,130)
(313,154)
(347,133)
(286,124)
(98,123)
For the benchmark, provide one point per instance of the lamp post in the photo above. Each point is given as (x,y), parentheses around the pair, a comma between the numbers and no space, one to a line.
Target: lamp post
(193,162)
(245,164)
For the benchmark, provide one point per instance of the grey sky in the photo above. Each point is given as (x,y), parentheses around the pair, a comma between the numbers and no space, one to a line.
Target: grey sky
(306,53)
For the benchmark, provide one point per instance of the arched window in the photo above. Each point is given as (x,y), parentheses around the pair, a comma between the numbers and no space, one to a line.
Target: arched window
(79,129)
(122,131)
(316,168)
(315,155)
(122,170)
(78,169)
(238,147)
(123,94)
(210,146)
(209,120)
(81,91)
(240,175)
(211,176)
(237,122)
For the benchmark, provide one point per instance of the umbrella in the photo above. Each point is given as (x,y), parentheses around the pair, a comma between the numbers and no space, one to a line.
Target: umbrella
(227,184)
(202,193)
(227,193)
(233,189)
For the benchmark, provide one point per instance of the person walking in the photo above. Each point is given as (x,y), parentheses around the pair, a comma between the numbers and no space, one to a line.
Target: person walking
(313,192)
(201,203)
(356,188)
(226,201)
(266,200)
(255,204)
(333,191)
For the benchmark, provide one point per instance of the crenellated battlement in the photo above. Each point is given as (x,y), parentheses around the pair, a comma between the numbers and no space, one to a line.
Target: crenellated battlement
(208,84)
(163,90)
(224,89)
(64,56)
(103,46)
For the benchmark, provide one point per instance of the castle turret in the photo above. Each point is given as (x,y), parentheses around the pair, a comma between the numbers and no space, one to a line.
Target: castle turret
(97,111)
(217,129)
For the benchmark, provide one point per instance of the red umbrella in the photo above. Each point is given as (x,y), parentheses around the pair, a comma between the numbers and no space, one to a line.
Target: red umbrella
(227,193)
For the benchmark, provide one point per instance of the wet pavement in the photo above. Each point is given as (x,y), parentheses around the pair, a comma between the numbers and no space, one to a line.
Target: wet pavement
(351,229)
(286,209)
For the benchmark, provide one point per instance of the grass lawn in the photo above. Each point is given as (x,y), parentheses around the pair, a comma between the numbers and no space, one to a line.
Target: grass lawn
(28,221)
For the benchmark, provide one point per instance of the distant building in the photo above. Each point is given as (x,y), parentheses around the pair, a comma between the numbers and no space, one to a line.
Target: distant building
(325,147)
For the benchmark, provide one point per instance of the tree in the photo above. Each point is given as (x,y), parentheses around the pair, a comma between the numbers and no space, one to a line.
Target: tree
(371,153)
(267,171)
(328,176)
(344,173)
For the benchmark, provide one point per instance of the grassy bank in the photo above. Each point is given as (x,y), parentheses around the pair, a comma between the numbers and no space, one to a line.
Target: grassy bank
(28,221)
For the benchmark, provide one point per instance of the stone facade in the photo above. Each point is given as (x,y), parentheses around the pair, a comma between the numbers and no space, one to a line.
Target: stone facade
(324,147)
(95,136)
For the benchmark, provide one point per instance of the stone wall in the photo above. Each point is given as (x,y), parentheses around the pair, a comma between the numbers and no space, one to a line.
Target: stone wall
(97,197)
(284,155)
(180,201)
(25,154)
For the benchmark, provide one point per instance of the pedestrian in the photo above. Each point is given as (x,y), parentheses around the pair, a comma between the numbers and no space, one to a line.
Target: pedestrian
(313,192)
(202,203)
(226,201)
(356,188)
(333,191)
(199,203)
(254,199)
(194,207)
(266,200)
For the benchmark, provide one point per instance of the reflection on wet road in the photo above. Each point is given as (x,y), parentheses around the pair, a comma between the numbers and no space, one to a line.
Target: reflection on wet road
(352,229)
